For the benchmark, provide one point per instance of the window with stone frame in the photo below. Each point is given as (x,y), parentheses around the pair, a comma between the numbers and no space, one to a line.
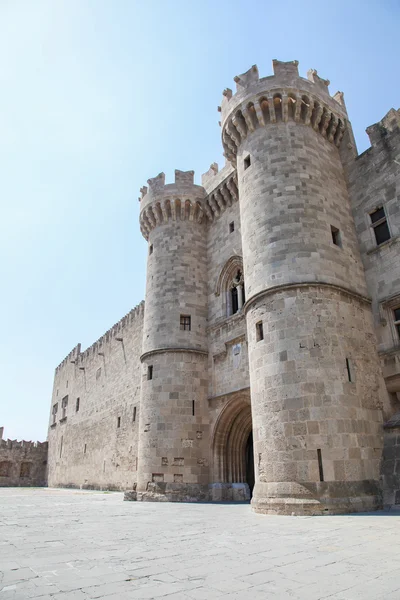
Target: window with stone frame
(185,323)
(380,225)
(64,404)
(236,293)
(396,322)
(5,468)
(389,310)
(55,410)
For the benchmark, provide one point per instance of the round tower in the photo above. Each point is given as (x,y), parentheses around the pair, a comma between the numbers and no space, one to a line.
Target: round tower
(173,439)
(315,379)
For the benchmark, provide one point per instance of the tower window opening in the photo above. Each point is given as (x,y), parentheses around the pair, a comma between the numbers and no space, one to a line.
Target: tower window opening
(64,405)
(247,162)
(396,314)
(84,449)
(151,249)
(193,408)
(134,414)
(55,410)
(185,323)
(336,237)
(232,227)
(77,405)
(61,445)
(320,465)
(349,370)
(149,372)
(380,226)
(259,331)
(119,422)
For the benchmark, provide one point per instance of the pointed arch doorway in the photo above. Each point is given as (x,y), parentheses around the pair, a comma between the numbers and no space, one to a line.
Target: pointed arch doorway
(232,449)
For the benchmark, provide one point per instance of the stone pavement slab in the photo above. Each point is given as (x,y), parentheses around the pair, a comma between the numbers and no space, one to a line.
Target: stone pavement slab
(83,545)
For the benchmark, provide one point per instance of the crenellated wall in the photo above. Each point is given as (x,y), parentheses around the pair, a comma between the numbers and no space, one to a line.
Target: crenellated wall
(93,439)
(22,464)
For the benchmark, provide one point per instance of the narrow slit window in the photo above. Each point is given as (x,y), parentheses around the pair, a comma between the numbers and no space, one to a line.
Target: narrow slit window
(396,314)
(320,466)
(193,407)
(380,226)
(185,323)
(232,227)
(119,422)
(149,372)
(84,449)
(336,237)
(151,249)
(349,370)
(61,445)
(247,162)
(77,405)
(134,414)
(259,331)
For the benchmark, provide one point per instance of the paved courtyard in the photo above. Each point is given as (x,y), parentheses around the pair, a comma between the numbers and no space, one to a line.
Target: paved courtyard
(78,545)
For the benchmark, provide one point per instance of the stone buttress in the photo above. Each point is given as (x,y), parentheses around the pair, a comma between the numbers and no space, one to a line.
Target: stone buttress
(174,436)
(315,378)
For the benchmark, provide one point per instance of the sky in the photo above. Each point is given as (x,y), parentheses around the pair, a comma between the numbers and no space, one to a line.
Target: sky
(96,96)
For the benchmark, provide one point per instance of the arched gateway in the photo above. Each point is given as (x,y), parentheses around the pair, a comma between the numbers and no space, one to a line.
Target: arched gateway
(232,451)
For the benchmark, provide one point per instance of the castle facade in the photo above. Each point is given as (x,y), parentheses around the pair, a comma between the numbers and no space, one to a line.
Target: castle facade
(266,357)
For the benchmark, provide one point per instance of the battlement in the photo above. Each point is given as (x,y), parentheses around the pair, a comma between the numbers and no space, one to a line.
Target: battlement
(389,124)
(23,444)
(178,201)
(282,97)
(76,356)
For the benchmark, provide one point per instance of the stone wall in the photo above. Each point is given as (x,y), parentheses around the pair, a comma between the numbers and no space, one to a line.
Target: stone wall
(22,463)
(374,182)
(93,439)
(391,463)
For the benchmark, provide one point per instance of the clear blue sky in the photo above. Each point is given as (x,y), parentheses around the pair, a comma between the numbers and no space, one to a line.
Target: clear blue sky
(99,95)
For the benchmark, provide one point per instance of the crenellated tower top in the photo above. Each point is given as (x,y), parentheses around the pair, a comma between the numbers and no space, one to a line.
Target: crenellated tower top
(283,96)
(178,201)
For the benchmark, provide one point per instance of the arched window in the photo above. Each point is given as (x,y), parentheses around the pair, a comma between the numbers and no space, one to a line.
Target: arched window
(230,287)
(236,294)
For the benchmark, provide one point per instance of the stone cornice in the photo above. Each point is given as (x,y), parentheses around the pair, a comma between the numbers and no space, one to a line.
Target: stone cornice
(177,349)
(288,286)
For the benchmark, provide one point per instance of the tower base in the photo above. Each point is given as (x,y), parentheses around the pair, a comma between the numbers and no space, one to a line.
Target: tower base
(191,492)
(320,498)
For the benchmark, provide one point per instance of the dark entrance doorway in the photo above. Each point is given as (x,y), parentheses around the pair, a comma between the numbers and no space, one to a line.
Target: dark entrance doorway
(250,463)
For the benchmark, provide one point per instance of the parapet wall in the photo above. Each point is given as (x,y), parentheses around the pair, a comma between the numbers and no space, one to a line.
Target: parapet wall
(22,463)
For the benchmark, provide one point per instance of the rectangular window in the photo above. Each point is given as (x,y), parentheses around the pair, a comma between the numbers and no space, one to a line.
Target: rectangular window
(134,414)
(84,449)
(193,408)
(149,372)
(380,226)
(77,405)
(231,227)
(185,323)
(336,237)
(64,404)
(55,410)
(247,162)
(151,249)
(259,331)
(119,422)
(396,314)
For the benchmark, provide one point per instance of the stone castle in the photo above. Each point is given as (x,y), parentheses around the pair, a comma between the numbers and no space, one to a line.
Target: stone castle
(266,357)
